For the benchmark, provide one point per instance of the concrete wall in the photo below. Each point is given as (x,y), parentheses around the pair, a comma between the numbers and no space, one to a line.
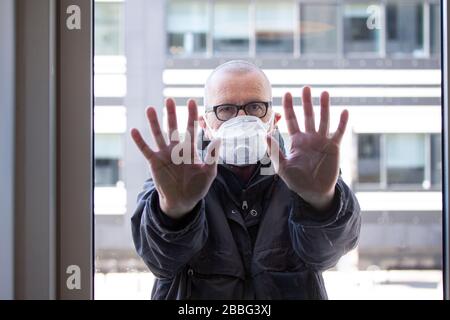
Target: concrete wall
(145,53)
(401,240)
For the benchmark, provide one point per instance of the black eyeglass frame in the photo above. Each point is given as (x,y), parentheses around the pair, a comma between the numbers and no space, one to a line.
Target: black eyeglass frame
(214,109)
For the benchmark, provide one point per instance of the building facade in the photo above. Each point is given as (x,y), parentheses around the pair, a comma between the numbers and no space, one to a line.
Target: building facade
(378,59)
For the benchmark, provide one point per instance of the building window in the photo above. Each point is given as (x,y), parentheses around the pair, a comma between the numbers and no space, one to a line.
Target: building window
(187,27)
(108,159)
(109,28)
(274,27)
(369,158)
(318,29)
(405,28)
(362,28)
(106,172)
(399,161)
(436,161)
(231,27)
(435,29)
(405,159)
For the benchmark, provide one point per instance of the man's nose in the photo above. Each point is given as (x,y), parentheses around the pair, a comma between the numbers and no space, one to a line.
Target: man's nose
(241,113)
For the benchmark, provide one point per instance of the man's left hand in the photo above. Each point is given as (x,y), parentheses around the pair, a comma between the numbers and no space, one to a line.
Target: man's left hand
(311,169)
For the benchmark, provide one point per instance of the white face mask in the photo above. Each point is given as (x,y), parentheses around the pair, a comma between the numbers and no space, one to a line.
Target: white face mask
(244,140)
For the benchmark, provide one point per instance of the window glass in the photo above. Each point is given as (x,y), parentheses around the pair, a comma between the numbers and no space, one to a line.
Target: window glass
(106,172)
(187,27)
(369,158)
(274,27)
(436,160)
(109,35)
(362,28)
(405,28)
(391,154)
(318,29)
(435,35)
(108,153)
(231,27)
(405,158)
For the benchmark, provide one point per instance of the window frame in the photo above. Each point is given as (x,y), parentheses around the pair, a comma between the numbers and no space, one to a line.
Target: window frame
(70,240)
(75,149)
(445,37)
(7,161)
(70,209)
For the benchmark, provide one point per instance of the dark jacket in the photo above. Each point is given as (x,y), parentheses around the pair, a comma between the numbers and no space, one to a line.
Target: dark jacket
(259,241)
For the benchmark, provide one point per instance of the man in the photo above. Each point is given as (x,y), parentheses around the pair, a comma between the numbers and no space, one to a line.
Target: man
(227,231)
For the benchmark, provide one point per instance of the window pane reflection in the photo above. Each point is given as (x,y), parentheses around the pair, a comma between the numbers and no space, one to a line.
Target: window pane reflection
(435,36)
(405,28)
(187,27)
(274,27)
(318,29)
(392,152)
(399,161)
(231,27)
(436,160)
(405,158)
(362,28)
(108,159)
(369,158)
(109,36)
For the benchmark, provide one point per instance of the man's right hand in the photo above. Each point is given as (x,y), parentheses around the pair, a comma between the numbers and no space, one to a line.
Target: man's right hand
(180,186)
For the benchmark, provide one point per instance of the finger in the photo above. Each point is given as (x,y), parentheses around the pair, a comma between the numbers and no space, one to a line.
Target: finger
(192,122)
(156,128)
(337,137)
(310,124)
(172,122)
(141,144)
(276,155)
(291,118)
(213,152)
(324,128)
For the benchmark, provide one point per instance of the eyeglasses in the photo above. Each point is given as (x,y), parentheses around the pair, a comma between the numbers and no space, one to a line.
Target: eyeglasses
(227,112)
